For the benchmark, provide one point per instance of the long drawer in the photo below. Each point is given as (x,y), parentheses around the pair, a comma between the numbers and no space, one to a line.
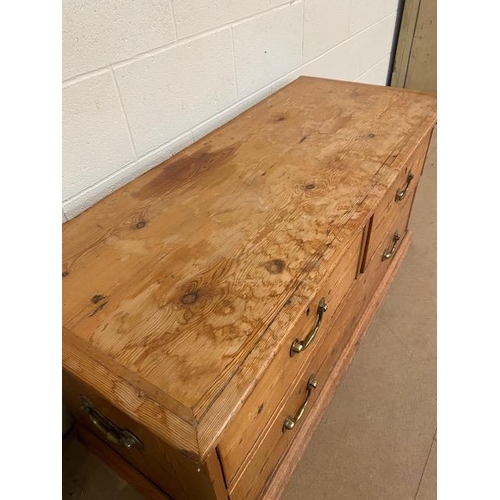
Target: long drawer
(266,455)
(283,426)
(251,420)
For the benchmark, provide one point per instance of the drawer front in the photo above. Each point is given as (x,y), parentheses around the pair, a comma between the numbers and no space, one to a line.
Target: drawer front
(389,244)
(402,188)
(166,467)
(260,465)
(253,417)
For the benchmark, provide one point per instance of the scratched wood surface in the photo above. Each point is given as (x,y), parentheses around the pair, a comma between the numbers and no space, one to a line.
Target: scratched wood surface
(254,416)
(171,281)
(261,461)
(281,475)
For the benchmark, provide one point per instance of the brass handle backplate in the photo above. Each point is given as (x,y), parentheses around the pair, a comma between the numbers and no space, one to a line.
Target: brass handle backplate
(401,193)
(300,345)
(290,422)
(389,252)
(111,431)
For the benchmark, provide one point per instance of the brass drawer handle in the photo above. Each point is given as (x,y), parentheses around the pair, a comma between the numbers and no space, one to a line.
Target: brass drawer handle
(111,432)
(401,193)
(388,253)
(291,421)
(300,345)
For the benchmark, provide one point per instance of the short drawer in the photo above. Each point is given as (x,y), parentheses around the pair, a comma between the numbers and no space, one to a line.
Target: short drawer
(390,242)
(401,190)
(247,426)
(166,467)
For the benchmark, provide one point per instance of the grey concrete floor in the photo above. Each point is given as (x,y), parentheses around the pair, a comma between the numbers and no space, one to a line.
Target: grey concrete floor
(377,440)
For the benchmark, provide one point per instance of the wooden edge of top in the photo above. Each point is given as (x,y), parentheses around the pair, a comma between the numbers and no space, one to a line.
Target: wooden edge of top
(140,403)
(384,88)
(142,386)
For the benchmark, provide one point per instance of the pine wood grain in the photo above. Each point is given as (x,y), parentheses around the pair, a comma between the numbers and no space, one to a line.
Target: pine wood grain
(278,480)
(242,382)
(246,427)
(170,284)
(137,401)
(263,461)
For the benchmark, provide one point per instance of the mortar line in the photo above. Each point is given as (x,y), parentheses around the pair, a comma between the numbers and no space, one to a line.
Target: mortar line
(372,66)
(234,66)
(303,31)
(129,130)
(171,9)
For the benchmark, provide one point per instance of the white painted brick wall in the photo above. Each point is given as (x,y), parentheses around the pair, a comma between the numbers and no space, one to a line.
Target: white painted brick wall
(326,24)
(97,33)
(95,139)
(377,73)
(195,16)
(364,13)
(167,93)
(143,79)
(267,47)
(354,57)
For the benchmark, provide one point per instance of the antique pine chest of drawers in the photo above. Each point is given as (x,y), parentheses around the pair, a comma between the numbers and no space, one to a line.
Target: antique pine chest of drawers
(212,304)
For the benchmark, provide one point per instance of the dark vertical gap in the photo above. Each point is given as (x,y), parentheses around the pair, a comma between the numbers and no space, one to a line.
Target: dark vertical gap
(221,463)
(395,39)
(427,149)
(367,230)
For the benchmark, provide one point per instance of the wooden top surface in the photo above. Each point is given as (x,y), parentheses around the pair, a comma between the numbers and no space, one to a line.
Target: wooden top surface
(171,281)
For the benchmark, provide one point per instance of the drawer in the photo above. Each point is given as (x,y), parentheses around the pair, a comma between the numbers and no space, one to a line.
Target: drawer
(247,426)
(170,470)
(402,188)
(389,243)
(261,463)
